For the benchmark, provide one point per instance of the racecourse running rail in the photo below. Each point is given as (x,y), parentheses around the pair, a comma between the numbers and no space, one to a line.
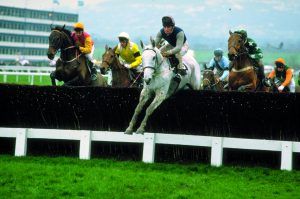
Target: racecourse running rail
(149,140)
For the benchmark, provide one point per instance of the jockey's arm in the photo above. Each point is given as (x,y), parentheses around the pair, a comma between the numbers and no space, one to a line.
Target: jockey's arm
(272,74)
(211,64)
(179,44)
(288,77)
(158,38)
(224,75)
(88,44)
(137,57)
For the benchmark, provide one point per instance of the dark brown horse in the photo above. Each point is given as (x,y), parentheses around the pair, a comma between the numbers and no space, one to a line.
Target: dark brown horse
(211,81)
(121,76)
(71,67)
(242,76)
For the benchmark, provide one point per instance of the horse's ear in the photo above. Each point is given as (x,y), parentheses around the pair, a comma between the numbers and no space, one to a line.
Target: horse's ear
(106,47)
(142,44)
(152,41)
(230,32)
(64,26)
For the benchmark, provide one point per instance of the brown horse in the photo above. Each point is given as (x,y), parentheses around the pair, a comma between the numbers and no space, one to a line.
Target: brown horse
(242,76)
(71,67)
(211,81)
(121,76)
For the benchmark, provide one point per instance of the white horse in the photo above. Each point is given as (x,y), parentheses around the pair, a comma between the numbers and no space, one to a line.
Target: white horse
(158,81)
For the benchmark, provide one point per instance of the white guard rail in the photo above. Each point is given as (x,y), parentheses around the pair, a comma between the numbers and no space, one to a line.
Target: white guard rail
(217,144)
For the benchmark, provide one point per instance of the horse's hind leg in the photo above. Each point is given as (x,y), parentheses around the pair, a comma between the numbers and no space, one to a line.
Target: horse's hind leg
(145,96)
(155,103)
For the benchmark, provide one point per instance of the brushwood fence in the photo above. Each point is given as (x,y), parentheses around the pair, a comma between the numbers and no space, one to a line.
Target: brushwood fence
(210,120)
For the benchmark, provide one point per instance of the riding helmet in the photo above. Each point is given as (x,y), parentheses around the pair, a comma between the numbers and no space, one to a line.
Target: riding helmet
(280,62)
(124,36)
(78,26)
(168,21)
(218,52)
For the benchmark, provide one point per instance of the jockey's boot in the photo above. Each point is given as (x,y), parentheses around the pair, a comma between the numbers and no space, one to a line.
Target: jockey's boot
(93,70)
(261,73)
(180,68)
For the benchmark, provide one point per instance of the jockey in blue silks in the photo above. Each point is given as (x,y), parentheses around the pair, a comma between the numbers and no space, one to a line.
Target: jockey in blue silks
(220,65)
(177,42)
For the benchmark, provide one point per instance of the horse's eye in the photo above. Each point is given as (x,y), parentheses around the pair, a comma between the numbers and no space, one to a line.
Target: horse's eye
(153,58)
(111,56)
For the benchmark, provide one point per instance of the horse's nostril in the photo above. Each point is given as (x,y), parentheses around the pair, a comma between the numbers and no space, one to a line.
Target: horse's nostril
(147,81)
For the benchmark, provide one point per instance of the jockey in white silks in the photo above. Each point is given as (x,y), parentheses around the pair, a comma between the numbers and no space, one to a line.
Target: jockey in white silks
(220,65)
(177,42)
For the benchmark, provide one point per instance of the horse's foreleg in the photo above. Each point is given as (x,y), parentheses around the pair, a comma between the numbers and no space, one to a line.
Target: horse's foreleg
(52,76)
(145,96)
(155,103)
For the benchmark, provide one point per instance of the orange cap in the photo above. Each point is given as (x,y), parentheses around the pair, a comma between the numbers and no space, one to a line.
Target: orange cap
(78,25)
(280,60)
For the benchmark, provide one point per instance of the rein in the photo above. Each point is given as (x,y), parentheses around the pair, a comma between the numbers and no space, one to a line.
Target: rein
(67,48)
(156,61)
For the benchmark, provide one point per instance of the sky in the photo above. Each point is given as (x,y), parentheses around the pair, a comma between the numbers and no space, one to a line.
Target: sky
(203,21)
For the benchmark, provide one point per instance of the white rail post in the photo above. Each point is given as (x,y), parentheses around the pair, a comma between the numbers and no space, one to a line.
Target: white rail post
(85,145)
(216,151)
(149,147)
(21,143)
(286,156)
(4,78)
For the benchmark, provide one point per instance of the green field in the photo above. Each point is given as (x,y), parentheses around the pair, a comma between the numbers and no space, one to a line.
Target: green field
(43,177)
(26,80)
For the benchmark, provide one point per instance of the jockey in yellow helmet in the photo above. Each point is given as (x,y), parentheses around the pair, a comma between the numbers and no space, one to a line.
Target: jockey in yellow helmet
(86,46)
(129,53)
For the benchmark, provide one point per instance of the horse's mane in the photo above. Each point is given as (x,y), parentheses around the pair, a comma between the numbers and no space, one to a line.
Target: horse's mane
(66,31)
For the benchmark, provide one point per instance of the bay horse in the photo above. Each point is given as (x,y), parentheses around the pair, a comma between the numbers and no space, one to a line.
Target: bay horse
(121,76)
(71,67)
(158,79)
(211,81)
(242,76)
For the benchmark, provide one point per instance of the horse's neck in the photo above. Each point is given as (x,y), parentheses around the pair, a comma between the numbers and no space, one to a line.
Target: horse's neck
(68,52)
(163,67)
(242,61)
(116,65)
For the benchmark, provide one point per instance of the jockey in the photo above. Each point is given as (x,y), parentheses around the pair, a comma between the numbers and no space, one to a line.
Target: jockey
(177,42)
(284,74)
(85,44)
(255,53)
(129,53)
(220,64)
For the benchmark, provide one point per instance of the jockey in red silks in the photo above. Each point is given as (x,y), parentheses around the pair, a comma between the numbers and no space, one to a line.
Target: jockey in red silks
(85,44)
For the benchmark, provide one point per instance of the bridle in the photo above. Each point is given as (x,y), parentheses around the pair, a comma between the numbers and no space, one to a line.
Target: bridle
(56,47)
(156,60)
(210,85)
(242,51)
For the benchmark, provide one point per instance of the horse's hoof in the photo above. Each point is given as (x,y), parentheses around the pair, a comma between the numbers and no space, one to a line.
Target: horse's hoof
(128,132)
(140,131)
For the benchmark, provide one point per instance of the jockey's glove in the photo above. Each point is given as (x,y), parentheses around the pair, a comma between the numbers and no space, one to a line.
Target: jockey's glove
(77,46)
(127,66)
(165,54)
(280,88)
